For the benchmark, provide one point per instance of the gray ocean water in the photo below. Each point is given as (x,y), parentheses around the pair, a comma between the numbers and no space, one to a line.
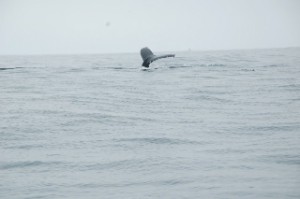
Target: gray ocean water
(210,124)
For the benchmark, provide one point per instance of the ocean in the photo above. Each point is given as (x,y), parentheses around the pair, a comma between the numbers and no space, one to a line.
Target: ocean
(207,124)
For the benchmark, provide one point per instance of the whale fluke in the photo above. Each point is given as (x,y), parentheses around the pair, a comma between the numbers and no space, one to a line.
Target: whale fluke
(149,57)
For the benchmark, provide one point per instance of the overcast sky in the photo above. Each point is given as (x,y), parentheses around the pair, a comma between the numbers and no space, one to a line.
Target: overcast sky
(108,26)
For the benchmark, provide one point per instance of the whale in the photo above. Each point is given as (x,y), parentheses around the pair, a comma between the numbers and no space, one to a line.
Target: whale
(148,56)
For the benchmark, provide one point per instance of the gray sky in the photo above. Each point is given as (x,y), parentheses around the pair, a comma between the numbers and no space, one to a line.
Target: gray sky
(108,26)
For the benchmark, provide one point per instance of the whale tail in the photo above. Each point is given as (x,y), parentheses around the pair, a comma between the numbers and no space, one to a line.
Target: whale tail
(148,56)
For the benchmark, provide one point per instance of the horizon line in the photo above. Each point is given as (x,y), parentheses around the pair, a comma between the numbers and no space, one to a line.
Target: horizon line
(134,52)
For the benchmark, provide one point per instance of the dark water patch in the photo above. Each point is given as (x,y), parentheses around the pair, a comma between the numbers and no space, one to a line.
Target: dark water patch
(44,195)
(77,70)
(272,129)
(208,98)
(295,100)
(25,164)
(271,65)
(102,118)
(291,87)
(248,70)
(119,164)
(6,68)
(115,68)
(96,68)
(209,77)
(111,67)
(238,59)
(118,68)
(167,182)
(10,68)
(212,91)
(180,66)
(229,151)
(282,159)
(158,141)
(216,64)
(26,147)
